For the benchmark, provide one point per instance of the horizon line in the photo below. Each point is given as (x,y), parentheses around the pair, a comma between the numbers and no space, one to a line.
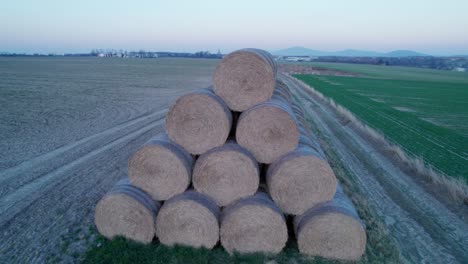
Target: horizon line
(106,50)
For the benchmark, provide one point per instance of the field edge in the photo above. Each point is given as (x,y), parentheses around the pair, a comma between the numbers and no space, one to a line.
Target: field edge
(456,187)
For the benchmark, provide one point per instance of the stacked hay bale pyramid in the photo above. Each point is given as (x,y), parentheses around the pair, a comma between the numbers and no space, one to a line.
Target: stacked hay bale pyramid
(236,162)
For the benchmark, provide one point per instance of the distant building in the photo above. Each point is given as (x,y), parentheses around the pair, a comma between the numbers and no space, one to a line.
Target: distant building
(298,58)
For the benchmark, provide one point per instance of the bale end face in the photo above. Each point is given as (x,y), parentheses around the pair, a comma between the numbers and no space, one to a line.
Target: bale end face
(198,122)
(159,171)
(226,174)
(267,132)
(298,182)
(121,215)
(253,228)
(187,222)
(332,235)
(243,79)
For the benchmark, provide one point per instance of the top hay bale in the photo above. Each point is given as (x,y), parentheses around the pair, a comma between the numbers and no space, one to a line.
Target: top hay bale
(244,78)
(127,211)
(199,121)
(331,230)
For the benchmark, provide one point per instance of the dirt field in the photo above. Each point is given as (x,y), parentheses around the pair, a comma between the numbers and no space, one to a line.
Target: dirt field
(292,68)
(68,127)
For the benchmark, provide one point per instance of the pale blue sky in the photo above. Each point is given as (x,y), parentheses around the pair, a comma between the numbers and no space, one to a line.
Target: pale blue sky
(431,26)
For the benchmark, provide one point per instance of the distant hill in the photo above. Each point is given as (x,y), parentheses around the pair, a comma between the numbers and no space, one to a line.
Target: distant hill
(404,53)
(301,51)
(355,53)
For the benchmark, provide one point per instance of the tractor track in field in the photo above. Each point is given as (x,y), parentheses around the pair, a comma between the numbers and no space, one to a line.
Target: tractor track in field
(425,229)
(67,129)
(47,187)
(12,178)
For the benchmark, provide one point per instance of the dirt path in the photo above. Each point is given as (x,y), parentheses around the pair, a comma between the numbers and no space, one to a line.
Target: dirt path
(425,229)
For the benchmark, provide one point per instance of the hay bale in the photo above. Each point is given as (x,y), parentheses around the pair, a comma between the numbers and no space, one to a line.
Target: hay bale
(300,180)
(244,78)
(297,109)
(189,219)
(161,168)
(306,137)
(127,211)
(253,224)
(331,230)
(282,91)
(268,130)
(226,173)
(299,113)
(199,121)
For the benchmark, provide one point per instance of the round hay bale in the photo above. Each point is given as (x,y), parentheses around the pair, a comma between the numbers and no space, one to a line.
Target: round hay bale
(331,230)
(300,180)
(244,78)
(307,141)
(189,219)
(297,108)
(299,113)
(226,173)
(306,137)
(268,130)
(199,121)
(300,117)
(253,224)
(161,168)
(283,92)
(126,211)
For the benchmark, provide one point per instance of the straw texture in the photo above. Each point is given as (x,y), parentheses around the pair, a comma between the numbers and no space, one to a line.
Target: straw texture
(268,130)
(253,224)
(226,173)
(161,168)
(126,211)
(244,78)
(189,219)
(199,121)
(331,230)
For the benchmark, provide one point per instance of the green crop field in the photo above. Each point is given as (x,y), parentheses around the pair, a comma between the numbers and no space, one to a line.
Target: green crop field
(424,111)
